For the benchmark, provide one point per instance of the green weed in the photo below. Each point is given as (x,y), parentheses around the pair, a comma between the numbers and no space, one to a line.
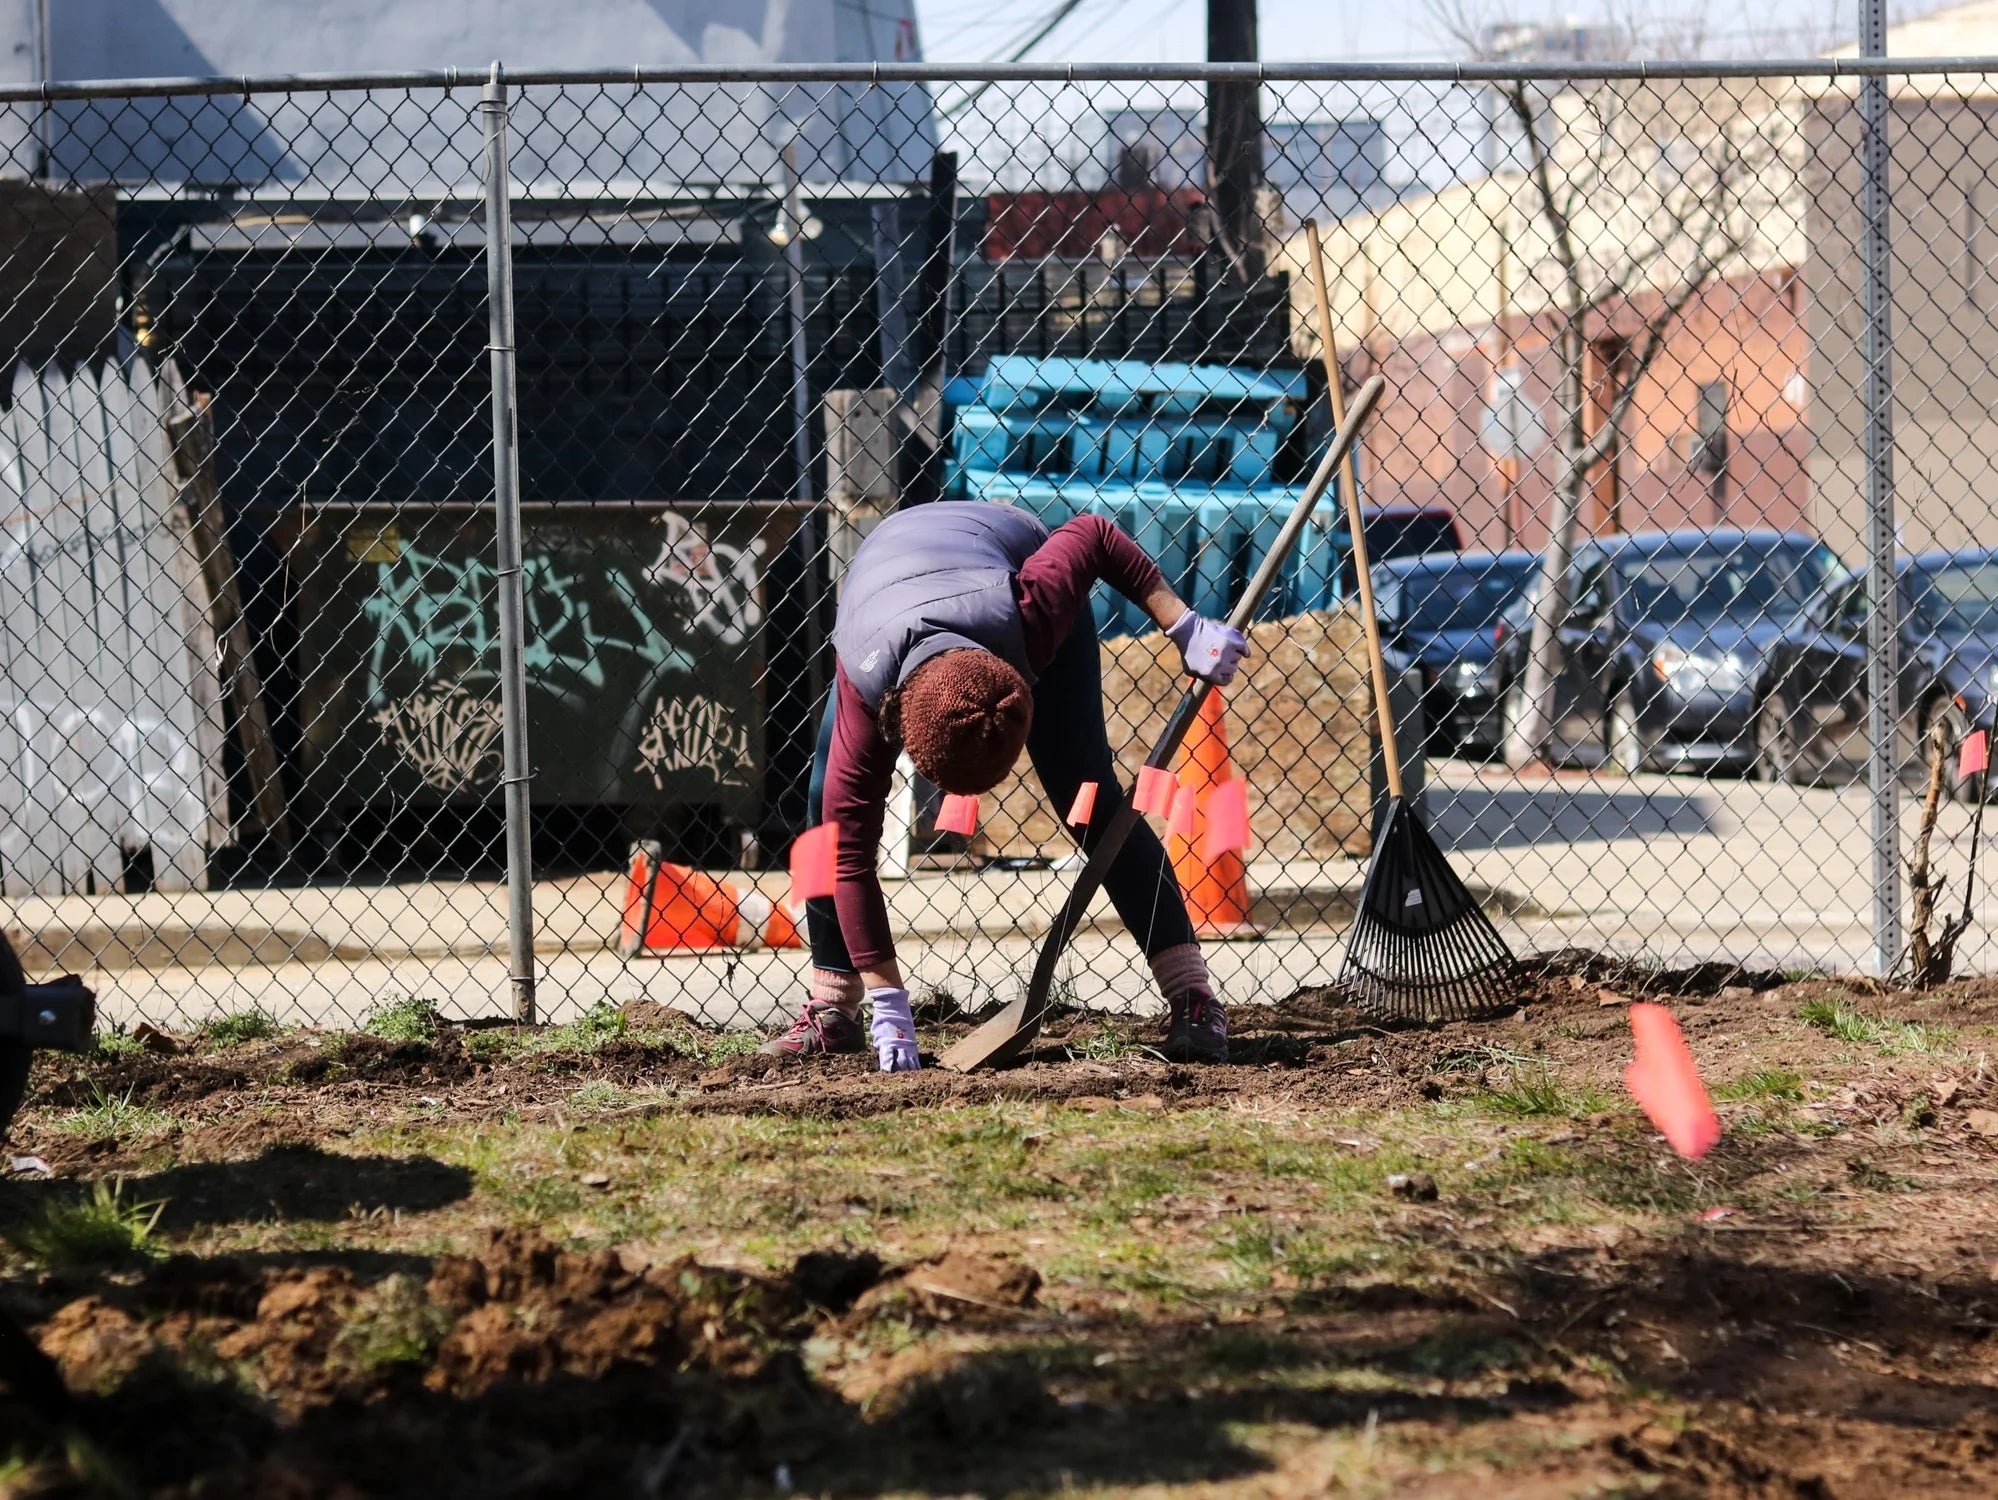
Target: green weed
(101,1229)
(242,1026)
(112,1115)
(410,1019)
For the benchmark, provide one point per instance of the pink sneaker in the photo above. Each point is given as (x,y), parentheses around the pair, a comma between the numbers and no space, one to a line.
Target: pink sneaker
(819,1029)
(1197,1029)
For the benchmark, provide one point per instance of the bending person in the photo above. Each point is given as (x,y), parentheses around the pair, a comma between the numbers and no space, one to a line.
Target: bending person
(964,636)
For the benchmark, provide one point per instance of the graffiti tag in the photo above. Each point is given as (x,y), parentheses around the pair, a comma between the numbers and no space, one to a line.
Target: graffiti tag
(718,581)
(424,606)
(694,734)
(450,737)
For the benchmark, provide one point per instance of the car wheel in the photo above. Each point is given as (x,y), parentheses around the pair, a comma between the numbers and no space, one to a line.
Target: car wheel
(15,1056)
(1623,734)
(1776,755)
(1955,725)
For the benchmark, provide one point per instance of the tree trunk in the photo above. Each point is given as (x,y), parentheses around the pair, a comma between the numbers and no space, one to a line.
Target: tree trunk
(1530,726)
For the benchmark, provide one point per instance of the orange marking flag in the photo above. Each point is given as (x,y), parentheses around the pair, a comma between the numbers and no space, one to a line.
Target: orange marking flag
(958,815)
(1975,755)
(815,862)
(1154,793)
(1664,1081)
(1085,805)
(1227,820)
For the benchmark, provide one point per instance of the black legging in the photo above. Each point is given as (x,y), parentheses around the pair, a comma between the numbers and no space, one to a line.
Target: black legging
(1068,746)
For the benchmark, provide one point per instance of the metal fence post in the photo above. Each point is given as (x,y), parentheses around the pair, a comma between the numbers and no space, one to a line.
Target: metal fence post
(1883,775)
(506,529)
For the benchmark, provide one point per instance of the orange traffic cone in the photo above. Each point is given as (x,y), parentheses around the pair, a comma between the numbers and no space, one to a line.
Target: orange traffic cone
(1216,890)
(673,908)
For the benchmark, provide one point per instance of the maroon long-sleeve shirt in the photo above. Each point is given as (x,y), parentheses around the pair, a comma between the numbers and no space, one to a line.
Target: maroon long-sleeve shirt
(1051,590)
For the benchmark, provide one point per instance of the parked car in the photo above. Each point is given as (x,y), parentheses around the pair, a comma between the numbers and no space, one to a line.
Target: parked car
(1665,641)
(1439,612)
(1811,718)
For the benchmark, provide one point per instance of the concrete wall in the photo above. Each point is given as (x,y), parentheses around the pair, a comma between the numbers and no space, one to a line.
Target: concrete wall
(651,136)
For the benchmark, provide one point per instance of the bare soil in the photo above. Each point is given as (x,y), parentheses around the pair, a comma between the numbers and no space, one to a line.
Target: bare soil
(1809,1311)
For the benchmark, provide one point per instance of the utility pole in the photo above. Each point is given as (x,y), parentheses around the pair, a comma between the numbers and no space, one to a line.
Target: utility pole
(1235,139)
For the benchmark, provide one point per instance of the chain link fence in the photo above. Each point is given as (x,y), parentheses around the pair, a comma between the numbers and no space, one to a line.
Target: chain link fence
(255,748)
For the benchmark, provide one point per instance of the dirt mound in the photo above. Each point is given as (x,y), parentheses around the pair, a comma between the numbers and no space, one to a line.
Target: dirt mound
(525,1310)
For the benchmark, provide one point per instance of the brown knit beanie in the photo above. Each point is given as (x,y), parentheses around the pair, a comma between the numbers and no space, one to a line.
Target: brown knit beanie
(964,718)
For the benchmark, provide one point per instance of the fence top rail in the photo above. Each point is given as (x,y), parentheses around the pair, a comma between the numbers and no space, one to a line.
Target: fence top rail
(805,74)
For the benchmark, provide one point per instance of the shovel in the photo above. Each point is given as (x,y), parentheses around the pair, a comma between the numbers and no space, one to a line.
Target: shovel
(1002,1039)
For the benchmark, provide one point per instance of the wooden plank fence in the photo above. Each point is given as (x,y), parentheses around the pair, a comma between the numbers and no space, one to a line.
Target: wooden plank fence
(111,725)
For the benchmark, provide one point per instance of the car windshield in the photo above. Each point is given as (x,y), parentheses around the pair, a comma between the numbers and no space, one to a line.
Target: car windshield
(1406,535)
(1471,596)
(1705,583)
(1957,598)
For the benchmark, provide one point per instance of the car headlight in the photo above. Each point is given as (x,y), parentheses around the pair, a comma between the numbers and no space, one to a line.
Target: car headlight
(1691,672)
(1475,676)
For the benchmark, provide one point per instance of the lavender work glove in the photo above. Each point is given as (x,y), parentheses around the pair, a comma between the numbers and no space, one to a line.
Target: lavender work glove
(893,1031)
(1211,649)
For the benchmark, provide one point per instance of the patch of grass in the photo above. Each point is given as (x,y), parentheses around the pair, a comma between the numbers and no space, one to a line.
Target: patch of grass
(1110,1043)
(1537,1095)
(708,1048)
(1775,1085)
(394,1323)
(101,1229)
(600,1094)
(1460,1353)
(1866,1175)
(112,1115)
(1835,1017)
(252,1025)
(409,1019)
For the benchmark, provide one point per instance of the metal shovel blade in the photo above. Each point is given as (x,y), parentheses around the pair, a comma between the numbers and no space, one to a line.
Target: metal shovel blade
(998,1042)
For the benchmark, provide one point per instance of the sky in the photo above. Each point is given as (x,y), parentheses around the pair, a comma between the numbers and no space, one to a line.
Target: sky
(1357,30)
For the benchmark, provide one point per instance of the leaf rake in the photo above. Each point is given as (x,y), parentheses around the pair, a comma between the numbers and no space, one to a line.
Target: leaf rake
(1421,947)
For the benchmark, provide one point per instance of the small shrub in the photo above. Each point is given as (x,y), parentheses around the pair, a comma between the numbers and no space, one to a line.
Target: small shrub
(101,1229)
(410,1019)
(394,1323)
(240,1026)
(118,1042)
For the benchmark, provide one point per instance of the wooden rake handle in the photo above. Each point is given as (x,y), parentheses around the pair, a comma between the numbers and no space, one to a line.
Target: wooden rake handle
(1349,491)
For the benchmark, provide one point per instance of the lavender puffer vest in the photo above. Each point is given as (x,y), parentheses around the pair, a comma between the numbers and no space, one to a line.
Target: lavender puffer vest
(934,578)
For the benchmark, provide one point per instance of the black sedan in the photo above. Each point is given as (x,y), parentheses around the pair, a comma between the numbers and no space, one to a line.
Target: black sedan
(1812,720)
(1439,612)
(1665,640)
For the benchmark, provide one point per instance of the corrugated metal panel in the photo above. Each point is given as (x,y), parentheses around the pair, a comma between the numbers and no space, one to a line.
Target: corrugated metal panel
(111,741)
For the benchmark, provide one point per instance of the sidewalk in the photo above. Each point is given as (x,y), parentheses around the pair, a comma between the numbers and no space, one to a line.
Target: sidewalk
(1671,868)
